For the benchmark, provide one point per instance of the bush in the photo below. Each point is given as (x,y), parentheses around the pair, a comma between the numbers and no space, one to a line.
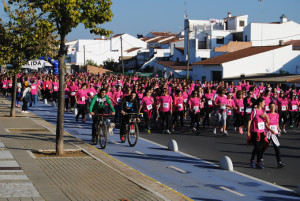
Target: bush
(112,65)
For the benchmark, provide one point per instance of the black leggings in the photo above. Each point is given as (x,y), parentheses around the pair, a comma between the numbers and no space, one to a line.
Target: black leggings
(81,111)
(293,117)
(283,117)
(208,111)
(195,119)
(67,103)
(165,118)
(277,150)
(147,117)
(239,120)
(72,98)
(258,146)
(175,117)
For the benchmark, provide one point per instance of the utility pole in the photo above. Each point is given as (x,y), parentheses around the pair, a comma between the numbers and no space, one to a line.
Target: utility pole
(122,54)
(188,50)
(84,56)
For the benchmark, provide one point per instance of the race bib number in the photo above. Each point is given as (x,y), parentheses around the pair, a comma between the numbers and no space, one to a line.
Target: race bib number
(283,108)
(166,105)
(223,107)
(73,93)
(196,108)
(33,87)
(10,85)
(261,126)
(228,112)
(83,98)
(149,107)
(119,100)
(185,100)
(129,104)
(274,128)
(210,102)
(47,86)
(91,93)
(55,87)
(241,109)
(248,110)
(267,108)
(261,91)
(4,85)
(180,105)
(294,107)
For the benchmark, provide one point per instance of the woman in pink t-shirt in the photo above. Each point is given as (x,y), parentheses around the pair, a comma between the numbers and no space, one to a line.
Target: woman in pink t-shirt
(67,97)
(80,97)
(273,131)
(165,106)
(55,87)
(239,112)
(256,133)
(283,106)
(194,108)
(147,108)
(293,109)
(178,108)
(221,102)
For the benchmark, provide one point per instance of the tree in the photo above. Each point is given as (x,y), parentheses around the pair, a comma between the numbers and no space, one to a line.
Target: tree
(66,15)
(91,63)
(26,35)
(112,65)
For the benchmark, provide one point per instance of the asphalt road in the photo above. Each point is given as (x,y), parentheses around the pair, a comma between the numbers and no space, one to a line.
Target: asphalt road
(212,148)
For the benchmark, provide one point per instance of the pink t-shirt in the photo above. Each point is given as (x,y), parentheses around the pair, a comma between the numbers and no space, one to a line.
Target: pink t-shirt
(147,103)
(258,124)
(91,92)
(195,104)
(273,121)
(55,86)
(178,103)
(282,104)
(4,84)
(73,90)
(240,106)
(293,105)
(267,102)
(208,100)
(34,89)
(81,96)
(117,97)
(231,104)
(165,103)
(67,92)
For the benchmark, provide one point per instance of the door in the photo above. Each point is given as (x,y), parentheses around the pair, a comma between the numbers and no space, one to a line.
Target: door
(217,76)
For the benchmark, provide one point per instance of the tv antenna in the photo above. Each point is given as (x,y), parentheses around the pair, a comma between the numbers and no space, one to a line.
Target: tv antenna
(186,9)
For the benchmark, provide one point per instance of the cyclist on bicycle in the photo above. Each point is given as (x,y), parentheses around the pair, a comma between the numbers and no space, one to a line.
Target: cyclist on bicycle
(100,105)
(128,105)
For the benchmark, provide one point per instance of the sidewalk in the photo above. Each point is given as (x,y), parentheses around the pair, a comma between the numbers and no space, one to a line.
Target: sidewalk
(93,176)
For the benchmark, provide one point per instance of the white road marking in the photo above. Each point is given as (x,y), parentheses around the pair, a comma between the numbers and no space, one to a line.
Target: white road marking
(140,153)
(232,191)
(115,142)
(178,169)
(67,120)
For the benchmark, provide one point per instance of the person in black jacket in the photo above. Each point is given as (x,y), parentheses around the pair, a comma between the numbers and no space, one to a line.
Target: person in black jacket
(248,105)
(129,105)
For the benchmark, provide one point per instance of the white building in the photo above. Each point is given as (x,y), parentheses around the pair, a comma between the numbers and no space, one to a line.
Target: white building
(205,35)
(252,60)
(266,34)
(101,49)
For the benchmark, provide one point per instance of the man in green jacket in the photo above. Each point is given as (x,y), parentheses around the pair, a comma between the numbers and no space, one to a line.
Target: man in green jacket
(100,105)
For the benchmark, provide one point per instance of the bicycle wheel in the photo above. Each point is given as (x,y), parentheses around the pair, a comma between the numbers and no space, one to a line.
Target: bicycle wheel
(133,134)
(103,136)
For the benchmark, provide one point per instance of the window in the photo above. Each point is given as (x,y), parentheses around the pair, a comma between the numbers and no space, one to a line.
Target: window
(242,23)
(220,40)
(246,38)
(177,59)
(202,59)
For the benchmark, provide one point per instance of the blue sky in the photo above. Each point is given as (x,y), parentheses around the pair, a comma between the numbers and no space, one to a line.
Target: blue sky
(141,16)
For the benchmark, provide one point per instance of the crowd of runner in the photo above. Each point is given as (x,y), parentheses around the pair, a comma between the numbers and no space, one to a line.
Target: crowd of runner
(167,103)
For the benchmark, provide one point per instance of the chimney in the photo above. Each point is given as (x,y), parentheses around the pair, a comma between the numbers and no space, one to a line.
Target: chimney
(229,14)
(281,42)
(283,18)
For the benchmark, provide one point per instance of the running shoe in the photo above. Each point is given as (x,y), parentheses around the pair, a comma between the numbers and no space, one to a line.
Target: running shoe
(168,132)
(26,112)
(215,131)
(23,111)
(148,131)
(252,164)
(280,165)
(225,133)
(94,141)
(284,131)
(222,129)
(292,126)
(260,166)
(172,130)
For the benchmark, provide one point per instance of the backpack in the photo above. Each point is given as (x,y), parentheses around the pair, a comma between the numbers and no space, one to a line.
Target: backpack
(27,96)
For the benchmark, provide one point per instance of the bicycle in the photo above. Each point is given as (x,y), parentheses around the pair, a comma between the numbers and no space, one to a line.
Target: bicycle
(132,129)
(102,131)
